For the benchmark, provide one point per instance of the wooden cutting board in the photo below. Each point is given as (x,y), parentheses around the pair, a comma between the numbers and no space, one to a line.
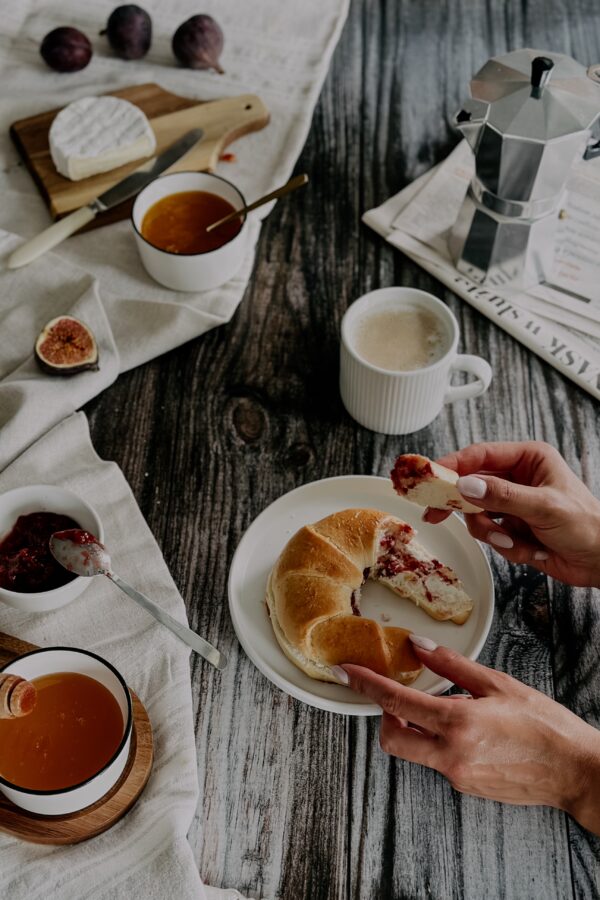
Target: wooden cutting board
(89,822)
(170,116)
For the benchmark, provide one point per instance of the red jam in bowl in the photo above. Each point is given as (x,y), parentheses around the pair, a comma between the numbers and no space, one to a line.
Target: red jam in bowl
(26,564)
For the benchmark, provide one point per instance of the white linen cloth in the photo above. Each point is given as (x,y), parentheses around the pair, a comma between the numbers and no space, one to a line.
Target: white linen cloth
(146,854)
(281,51)
(276,49)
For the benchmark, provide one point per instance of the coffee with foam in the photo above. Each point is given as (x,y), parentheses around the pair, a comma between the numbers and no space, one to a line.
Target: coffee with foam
(400,340)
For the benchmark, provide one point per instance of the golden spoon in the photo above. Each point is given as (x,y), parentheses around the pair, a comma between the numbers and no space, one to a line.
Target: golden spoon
(291,185)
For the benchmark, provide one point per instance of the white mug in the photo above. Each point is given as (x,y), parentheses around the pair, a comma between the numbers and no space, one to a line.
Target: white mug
(400,402)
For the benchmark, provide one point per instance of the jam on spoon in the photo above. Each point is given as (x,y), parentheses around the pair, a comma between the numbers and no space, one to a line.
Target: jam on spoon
(80,552)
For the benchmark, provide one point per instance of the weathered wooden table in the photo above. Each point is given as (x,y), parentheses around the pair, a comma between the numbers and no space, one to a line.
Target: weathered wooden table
(302,803)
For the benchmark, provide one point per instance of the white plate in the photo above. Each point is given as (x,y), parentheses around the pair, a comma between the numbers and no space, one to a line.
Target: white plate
(265,539)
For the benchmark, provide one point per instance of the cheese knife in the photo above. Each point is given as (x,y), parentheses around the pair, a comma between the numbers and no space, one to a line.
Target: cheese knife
(128,187)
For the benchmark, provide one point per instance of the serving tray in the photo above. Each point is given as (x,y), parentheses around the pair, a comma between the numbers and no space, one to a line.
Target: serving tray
(170,116)
(102,815)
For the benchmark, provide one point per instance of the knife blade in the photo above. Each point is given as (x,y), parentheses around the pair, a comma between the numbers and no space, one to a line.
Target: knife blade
(130,186)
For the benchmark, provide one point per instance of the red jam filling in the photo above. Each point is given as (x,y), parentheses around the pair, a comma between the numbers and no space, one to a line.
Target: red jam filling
(408,471)
(26,564)
(396,559)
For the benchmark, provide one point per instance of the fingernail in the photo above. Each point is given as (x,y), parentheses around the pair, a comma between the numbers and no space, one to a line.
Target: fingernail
(541,554)
(471,486)
(340,674)
(424,643)
(500,540)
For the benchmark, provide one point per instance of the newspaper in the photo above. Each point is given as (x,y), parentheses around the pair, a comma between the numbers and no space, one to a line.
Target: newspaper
(558,320)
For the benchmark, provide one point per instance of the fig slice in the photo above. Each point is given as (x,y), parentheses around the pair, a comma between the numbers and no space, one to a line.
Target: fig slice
(66,346)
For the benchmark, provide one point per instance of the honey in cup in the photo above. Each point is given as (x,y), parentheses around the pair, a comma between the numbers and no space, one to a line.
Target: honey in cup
(400,340)
(72,733)
(177,223)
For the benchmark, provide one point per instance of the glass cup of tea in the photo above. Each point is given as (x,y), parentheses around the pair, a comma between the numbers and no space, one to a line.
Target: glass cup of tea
(398,352)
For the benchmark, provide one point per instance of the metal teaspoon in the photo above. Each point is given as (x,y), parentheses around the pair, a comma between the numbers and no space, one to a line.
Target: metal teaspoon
(82,553)
(292,185)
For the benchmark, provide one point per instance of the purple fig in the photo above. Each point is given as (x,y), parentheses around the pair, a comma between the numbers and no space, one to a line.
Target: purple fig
(198,43)
(66,346)
(66,50)
(129,31)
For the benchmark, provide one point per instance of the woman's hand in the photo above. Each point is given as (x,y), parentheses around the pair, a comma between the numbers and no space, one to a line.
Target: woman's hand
(506,742)
(549,518)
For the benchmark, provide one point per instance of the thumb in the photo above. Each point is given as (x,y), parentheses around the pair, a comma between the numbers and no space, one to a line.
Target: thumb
(475,678)
(500,495)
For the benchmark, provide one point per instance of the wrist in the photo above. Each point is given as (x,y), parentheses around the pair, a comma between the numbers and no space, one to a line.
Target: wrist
(580,795)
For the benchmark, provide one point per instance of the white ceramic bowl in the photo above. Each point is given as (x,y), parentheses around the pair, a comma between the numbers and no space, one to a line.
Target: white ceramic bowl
(46,498)
(190,271)
(72,799)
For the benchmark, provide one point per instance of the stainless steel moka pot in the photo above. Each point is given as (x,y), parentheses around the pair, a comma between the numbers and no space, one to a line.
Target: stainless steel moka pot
(531,116)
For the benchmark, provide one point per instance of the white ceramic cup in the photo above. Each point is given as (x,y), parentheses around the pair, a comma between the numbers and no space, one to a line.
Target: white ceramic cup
(190,271)
(69,659)
(400,402)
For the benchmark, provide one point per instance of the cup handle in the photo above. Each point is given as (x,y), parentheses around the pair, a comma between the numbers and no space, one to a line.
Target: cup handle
(476,366)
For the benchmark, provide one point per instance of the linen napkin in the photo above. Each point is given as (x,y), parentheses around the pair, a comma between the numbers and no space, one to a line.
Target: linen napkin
(280,51)
(146,853)
(126,332)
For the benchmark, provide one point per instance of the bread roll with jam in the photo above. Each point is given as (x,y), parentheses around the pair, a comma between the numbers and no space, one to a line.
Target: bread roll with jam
(424,482)
(313,594)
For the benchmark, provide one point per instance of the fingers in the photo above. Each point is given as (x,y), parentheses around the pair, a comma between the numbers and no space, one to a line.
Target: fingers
(406,743)
(400,701)
(517,528)
(435,516)
(475,678)
(506,540)
(500,457)
(500,495)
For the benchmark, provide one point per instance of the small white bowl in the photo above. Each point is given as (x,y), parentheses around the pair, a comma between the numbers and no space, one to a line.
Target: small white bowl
(72,799)
(46,498)
(190,271)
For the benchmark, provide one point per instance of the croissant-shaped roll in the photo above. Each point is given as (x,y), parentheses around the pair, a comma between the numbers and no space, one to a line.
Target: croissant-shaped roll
(313,593)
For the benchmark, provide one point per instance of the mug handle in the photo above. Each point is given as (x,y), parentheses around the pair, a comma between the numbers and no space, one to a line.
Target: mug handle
(476,366)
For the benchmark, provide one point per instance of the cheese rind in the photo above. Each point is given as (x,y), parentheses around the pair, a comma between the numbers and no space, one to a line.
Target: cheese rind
(97,134)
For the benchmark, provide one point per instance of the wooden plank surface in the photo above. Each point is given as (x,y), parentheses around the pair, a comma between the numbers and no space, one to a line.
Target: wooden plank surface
(299,803)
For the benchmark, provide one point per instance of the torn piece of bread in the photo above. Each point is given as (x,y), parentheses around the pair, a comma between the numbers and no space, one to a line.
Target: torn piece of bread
(426,483)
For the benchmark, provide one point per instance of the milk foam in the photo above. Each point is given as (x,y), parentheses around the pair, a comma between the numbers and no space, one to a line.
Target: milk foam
(400,340)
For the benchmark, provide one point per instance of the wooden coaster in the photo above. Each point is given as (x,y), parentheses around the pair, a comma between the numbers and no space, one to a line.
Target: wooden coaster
(93,820)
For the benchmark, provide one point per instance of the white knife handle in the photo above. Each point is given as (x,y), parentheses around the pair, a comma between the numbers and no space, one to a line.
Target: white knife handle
(49,238)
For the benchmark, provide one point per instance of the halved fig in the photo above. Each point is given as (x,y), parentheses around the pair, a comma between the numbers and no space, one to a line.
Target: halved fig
(66,346)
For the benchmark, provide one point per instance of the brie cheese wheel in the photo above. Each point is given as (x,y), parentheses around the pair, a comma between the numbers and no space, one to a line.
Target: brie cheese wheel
(97,134)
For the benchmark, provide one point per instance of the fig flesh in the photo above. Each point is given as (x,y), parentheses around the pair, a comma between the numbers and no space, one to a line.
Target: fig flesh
(129,31)
(66,50)
(66,346)
(198,43)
